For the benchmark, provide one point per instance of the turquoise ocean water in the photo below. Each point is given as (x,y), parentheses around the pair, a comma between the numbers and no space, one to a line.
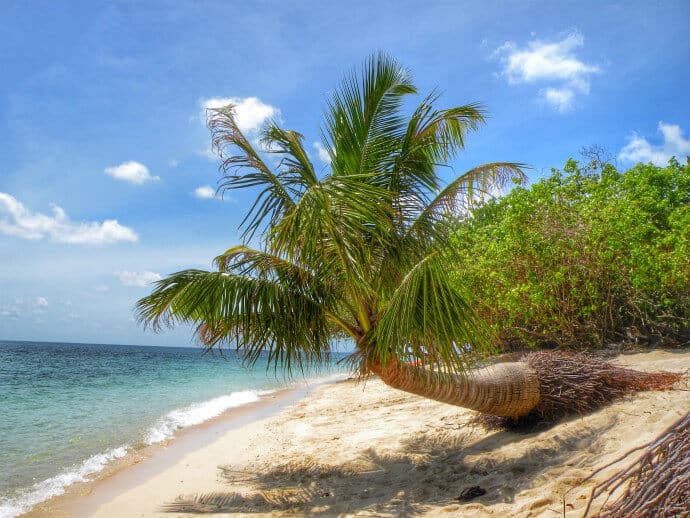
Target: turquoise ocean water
(66,410)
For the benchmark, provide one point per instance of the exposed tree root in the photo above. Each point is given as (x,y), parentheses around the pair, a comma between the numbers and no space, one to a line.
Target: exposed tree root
(577,383)
(657,484)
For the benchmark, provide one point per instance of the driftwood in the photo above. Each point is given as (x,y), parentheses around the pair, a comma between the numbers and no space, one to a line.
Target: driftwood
(657,484)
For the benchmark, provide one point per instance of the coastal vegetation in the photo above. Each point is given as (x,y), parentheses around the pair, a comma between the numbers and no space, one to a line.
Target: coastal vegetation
(369,249)
(587,257)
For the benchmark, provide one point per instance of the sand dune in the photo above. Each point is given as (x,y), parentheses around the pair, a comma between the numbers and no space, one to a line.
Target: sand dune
(364,449)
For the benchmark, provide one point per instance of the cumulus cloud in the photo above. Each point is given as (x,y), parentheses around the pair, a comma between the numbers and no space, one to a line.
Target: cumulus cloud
(140,279)
(24,306)
(9,312)
(560,98)
(250,112)
(39,305)
(17,220)
(639,149)
(323,154)
(205,192)
(552,63)
(132,172)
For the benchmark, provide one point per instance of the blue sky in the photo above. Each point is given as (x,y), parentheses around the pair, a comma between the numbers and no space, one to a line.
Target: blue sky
(105,179)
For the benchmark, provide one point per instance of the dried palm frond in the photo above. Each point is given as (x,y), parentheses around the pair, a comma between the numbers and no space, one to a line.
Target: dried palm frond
(656,485)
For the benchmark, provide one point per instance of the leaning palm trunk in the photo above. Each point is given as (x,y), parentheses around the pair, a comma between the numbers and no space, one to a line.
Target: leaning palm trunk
(541,388)
(506,389)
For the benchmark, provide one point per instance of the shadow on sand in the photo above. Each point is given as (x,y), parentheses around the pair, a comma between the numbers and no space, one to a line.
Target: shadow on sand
(427,470)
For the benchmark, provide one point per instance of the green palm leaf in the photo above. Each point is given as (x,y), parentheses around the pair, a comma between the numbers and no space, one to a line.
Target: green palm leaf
(239,156)
(260,314)
(460,196)
(363,120)
(296,161)
(428,318)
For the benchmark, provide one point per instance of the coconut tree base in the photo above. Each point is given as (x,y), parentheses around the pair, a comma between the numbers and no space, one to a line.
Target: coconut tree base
(576,383)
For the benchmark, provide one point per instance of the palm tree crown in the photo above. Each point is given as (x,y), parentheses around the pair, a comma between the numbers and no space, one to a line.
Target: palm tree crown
(357,250)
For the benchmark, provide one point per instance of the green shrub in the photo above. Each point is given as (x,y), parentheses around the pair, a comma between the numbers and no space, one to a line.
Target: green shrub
(584,257)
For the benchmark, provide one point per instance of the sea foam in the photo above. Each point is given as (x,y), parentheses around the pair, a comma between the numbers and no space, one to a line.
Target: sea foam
(164,429)
(197,413)
(56,485)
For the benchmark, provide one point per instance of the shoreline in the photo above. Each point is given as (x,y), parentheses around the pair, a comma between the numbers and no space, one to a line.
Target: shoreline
(142,463)
(358,447)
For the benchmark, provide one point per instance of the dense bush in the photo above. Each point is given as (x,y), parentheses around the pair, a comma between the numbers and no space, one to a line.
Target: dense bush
(585,257)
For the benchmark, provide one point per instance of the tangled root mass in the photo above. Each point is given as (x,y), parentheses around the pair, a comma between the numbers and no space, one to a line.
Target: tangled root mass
(577,383)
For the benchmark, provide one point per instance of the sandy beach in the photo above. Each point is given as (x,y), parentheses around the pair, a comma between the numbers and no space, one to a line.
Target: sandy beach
(359,448)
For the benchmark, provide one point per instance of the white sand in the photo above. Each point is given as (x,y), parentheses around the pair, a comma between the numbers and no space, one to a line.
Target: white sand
(365,449)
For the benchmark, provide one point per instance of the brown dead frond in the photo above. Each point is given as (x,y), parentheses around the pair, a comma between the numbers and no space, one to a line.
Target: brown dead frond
(657,484)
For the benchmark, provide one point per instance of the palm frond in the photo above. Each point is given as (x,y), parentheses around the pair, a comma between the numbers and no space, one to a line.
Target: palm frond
(243,167)
(256,315)
(461,195)
(316,285)
(243,260)
(429,223)
(363,120)
(427,318)
(334,230)
(432,137)
(289,143)
(340,215)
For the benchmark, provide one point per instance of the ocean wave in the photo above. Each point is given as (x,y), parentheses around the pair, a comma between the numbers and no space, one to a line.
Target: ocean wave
(164,429)
(56,485)
(197,413)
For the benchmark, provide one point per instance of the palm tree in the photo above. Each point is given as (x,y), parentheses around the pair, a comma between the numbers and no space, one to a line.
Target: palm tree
(360,249)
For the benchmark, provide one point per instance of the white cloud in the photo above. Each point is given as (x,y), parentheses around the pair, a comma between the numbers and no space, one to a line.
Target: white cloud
(560,98)
(25,306)
(549,62)
(17,220)
(205,192)
(39,305)
(101,288)
(173,163)
(323,154)
(250,112)
(141,279)
(545,61)
(9,312)
(132,172)
(638,149)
